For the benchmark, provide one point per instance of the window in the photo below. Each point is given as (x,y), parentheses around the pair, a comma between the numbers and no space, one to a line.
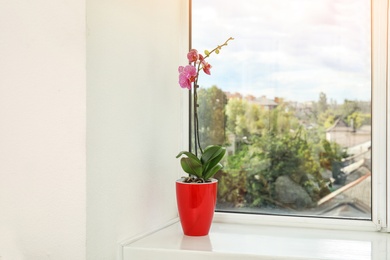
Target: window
(299,100)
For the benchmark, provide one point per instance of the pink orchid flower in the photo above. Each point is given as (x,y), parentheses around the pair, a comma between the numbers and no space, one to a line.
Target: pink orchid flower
(197,62)
(187,75)
(206,67)
(192,55)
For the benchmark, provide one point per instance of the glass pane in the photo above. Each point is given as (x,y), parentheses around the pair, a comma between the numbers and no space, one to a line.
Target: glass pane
(290,98)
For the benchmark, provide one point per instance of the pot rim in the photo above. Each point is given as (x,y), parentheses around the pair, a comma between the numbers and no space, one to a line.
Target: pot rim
(213,180)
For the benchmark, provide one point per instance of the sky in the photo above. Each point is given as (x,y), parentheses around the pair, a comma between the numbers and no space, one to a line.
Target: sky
(293,49)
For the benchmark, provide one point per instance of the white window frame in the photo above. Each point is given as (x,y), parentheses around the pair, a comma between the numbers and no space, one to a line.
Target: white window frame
(380,148)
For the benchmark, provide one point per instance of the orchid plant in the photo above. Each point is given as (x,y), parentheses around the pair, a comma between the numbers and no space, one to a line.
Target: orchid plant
(203,167)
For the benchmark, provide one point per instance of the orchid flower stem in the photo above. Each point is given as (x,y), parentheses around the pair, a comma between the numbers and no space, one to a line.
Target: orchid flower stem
(196,122)
(195,104)
(219,47)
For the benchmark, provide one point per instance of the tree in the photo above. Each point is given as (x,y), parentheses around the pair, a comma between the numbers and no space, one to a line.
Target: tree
(273,155)
(235,109)
(253,114)
(322,105)
(349,107)
(356,119)
(212,120)
(327,118)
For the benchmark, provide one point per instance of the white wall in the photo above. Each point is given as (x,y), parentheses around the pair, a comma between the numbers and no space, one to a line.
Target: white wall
(42,130)
(133,132)
(133,104)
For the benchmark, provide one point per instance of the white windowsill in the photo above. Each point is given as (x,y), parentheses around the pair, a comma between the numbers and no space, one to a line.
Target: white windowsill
(235,241)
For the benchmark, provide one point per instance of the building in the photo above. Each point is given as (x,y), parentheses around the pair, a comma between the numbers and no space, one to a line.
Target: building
(347,136)
(266,103)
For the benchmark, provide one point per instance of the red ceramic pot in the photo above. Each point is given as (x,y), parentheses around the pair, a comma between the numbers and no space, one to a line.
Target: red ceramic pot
(196,205)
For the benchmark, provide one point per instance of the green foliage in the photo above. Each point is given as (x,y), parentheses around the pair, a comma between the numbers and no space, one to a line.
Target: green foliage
(322,104)
(235,109)
(332,153)
(331,159)
(282,120)
(356,119)
(354,113)
(212,118)
(348,108)
(208,164)
(327,118)
(232,187)
(264,160)
(283,155)
(275,145)
(246,119)
(288,140)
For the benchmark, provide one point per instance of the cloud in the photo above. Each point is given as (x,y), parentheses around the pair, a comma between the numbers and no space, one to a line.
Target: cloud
(291,48)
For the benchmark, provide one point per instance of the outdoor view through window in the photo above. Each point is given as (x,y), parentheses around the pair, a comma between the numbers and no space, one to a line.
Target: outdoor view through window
(290,98)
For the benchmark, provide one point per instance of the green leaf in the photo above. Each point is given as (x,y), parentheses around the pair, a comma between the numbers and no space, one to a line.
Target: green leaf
(211,152)
(211,157)
(192,166)
(214,161)
(207,165)
(213,171)
(190,155)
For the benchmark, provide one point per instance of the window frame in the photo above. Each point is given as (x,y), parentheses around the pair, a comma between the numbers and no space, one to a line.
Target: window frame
(380,44)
